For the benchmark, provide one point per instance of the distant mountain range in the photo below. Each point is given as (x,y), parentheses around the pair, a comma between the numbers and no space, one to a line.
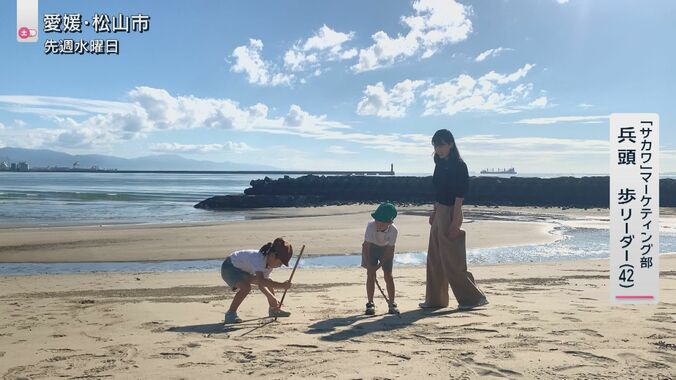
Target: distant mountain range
(49,158)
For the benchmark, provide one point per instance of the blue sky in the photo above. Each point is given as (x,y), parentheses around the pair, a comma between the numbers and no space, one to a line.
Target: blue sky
(349,84)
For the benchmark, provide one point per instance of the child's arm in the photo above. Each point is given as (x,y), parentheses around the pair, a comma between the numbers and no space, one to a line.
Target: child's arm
(265,284)
(268,283)
(388,255)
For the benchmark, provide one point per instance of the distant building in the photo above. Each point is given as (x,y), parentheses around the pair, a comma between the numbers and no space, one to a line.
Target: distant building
(3,166)
(12,167)
(23,166)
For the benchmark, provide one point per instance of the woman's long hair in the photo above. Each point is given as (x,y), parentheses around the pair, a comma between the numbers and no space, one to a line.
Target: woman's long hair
(444,136)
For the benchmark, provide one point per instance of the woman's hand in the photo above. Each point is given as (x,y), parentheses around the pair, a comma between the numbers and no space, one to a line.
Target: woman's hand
(286,285)
(453,231)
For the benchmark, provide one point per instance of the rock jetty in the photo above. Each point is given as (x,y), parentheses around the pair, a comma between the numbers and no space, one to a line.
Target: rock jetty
(313,190)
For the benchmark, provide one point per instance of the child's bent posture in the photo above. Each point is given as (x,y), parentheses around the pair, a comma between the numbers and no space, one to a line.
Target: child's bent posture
(246,267)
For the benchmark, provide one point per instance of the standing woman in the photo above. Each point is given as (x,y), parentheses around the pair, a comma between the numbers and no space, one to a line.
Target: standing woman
(446,255)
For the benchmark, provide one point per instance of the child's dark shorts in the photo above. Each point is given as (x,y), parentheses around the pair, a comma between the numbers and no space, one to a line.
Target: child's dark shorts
(232,275)
(376,254)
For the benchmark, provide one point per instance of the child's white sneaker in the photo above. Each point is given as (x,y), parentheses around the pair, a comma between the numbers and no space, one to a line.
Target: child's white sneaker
(232,317)
(275,312)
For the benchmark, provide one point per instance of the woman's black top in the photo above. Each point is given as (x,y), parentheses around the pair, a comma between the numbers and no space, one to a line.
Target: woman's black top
(451,180)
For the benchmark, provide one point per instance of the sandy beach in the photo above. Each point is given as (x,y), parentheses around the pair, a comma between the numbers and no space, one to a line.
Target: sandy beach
(545,320)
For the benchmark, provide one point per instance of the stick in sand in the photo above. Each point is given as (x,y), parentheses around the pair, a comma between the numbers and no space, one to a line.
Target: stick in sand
(291,278)
(386,299)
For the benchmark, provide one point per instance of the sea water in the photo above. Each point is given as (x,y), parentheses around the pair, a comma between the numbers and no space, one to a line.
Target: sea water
(575,244)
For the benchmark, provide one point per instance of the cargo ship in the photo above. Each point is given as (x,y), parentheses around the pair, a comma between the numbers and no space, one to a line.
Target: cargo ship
(499,171)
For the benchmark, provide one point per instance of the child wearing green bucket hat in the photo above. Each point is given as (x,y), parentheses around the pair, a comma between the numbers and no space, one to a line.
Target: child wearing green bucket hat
(378,251)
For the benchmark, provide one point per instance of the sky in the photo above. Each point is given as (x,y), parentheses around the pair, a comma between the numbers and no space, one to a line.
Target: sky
(346,85)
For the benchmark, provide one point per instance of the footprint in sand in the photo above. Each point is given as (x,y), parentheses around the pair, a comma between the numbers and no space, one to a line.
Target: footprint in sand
(587,332)
(116,358)
(598,359)
(635,360)
(194,364)
(487,369)
(173,355)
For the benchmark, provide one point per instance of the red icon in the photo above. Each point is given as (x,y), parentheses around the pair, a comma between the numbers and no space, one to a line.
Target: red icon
(25,33)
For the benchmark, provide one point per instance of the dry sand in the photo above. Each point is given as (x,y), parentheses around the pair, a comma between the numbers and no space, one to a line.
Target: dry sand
(545,321)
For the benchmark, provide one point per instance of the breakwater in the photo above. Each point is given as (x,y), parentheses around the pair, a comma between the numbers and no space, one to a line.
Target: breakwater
(312,190)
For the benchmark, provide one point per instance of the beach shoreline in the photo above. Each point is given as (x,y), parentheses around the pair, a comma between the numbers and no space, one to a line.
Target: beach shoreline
(331,230)
(326,231)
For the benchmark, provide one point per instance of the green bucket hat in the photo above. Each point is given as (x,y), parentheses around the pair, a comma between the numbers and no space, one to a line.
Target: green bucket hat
(385,213)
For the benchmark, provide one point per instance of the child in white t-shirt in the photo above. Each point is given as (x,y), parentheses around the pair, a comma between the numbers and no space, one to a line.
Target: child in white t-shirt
(242,268)
(378,251)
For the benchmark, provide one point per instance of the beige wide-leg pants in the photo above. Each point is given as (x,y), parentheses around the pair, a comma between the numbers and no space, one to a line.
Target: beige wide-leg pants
(447,264)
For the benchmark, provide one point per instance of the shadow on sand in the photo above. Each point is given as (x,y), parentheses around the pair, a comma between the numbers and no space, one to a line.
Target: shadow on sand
(375,324)
(220,328)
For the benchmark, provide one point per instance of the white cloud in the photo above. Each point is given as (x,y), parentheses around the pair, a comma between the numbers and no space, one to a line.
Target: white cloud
(327,38)
(296,116)
(64,106)
(248,60)
(19,123)
(325,45)
(490,53)
(435,24)
(513,77)
(29,138)
(45,111)
(200,148)
(562,119)
(535,154)
(165,111)
(103,129)
(394,103)
(562,1)
(152,109)
(258,111)
(348,54)
(585,105)
(539,102)
(296,60)
(338,149)
(492,145)
(487,93)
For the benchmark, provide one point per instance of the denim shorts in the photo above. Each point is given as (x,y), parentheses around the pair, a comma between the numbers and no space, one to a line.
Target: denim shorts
(376,254)
(232,275)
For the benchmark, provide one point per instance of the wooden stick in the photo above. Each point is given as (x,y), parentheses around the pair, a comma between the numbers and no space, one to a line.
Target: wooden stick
(291,278)
(386,299)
